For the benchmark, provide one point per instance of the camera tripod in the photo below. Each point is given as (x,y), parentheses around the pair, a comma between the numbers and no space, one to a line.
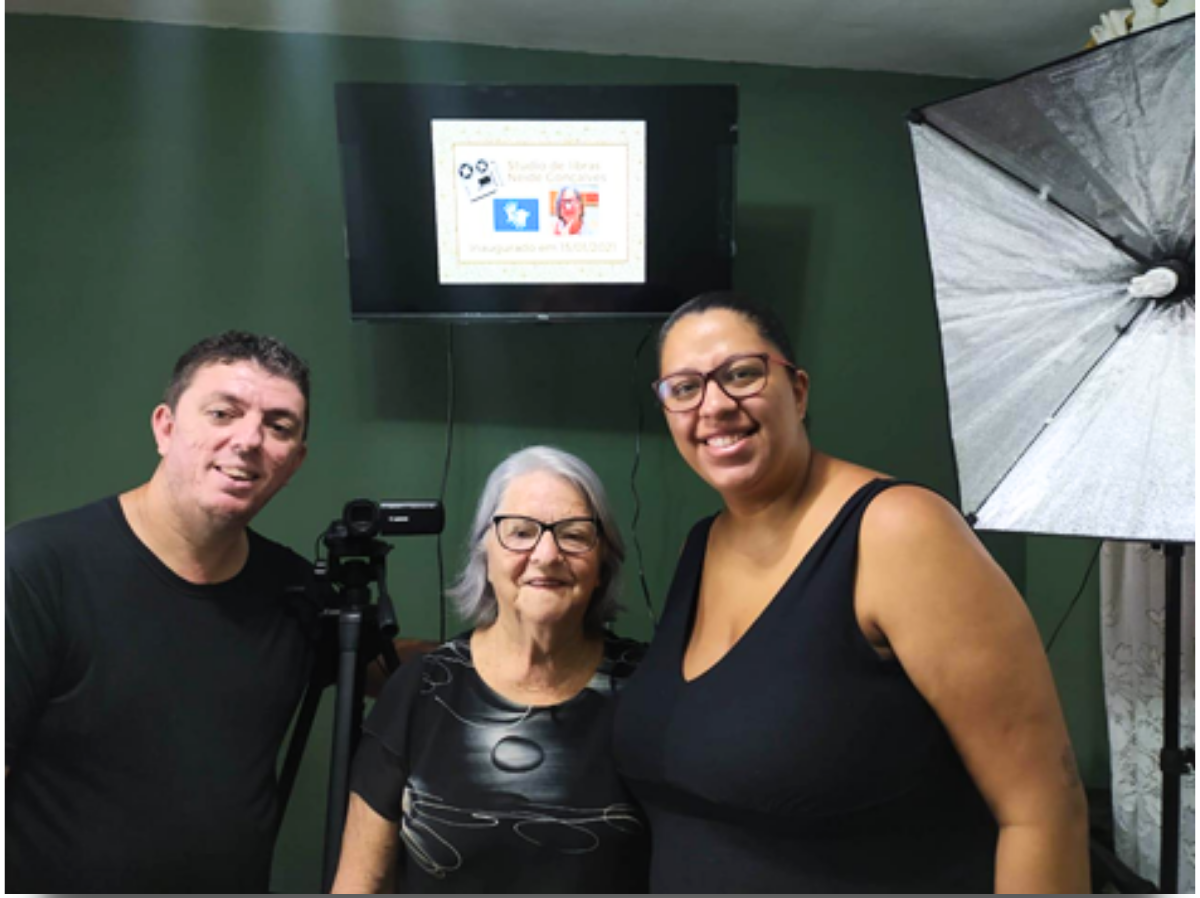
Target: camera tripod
(354,632)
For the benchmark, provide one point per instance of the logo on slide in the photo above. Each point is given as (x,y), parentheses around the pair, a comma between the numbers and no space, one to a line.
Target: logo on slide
(479,180)
(515,215)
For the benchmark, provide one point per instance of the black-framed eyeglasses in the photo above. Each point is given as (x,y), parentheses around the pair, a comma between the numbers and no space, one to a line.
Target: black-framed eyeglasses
(573,536)
(739,377)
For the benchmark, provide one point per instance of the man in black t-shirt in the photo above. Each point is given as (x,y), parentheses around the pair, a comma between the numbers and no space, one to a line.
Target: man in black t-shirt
(153,662)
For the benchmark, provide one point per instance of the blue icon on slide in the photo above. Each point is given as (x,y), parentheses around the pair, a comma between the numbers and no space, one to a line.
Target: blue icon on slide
(515,215)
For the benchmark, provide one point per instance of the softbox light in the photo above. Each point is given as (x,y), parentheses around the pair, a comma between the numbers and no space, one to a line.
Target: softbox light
(1072,394)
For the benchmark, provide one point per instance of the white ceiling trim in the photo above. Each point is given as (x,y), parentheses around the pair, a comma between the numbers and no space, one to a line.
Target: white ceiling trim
(964,38)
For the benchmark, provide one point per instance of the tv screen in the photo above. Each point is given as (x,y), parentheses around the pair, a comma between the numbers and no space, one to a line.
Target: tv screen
(513,202)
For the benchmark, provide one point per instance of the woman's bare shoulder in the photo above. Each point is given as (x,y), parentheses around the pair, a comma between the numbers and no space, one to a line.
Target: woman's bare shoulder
(839,479)
(908,513)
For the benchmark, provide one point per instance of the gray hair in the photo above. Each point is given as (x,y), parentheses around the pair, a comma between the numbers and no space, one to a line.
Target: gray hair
(472,592)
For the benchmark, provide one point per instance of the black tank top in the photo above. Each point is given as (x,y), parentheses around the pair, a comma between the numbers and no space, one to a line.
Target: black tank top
(800,762)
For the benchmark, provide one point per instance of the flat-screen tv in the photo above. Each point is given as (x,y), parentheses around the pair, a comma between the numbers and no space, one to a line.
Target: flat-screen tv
(514,202)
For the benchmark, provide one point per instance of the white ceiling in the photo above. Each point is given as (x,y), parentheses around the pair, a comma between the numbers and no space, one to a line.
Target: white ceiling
(976,38)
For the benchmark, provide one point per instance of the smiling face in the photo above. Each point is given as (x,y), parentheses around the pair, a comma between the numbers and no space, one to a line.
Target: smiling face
(232,442)
(570,206)
(543,587)
(745,449)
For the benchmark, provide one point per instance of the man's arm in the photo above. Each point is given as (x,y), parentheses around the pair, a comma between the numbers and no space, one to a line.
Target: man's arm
(33,639)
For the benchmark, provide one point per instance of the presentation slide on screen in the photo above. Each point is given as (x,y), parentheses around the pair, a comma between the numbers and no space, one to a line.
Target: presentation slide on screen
(540,202)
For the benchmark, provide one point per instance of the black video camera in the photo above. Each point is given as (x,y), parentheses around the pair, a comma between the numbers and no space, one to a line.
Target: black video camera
(364,519)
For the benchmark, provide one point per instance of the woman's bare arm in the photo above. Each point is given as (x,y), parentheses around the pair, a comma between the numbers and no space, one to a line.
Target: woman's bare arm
(929,591)
(369,848)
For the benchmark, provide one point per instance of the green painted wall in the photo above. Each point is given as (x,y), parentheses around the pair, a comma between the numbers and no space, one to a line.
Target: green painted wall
(165,183)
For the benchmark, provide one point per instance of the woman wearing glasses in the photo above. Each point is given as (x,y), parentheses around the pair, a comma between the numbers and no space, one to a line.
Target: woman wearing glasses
(486,766)
(845,693)
(569,212)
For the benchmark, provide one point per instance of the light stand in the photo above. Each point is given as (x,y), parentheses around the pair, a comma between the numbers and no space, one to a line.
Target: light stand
(1174,761)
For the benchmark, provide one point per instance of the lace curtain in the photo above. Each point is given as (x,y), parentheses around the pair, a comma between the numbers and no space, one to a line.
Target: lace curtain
(1132,596)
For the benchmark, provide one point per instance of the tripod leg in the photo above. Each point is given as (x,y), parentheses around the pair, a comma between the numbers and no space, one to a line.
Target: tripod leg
(347,720)
(300,734)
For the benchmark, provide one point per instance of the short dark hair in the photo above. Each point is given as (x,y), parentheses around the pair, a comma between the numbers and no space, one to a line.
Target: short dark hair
(766,322)
(268,353)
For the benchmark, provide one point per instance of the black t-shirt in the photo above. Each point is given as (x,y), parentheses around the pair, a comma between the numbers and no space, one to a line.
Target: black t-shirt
(801,762)
(144,714)
(495,797)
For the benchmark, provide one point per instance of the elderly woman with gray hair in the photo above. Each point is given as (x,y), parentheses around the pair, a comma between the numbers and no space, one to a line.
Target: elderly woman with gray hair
(485,766)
